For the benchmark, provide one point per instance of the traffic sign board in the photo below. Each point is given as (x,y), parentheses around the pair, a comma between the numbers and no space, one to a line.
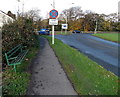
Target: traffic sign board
(53,14)
(64,26)
(53,22)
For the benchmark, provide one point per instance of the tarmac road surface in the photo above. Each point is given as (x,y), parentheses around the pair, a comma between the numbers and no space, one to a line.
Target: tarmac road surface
(103,52)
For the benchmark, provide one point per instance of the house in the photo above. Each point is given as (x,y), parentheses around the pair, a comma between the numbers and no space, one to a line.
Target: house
(4,18)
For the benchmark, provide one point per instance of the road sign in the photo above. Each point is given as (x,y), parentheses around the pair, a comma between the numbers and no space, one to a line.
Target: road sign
(64,26)
(53,22)
(53,14)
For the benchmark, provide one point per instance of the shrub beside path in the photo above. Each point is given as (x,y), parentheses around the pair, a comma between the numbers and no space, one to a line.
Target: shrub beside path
(48,77)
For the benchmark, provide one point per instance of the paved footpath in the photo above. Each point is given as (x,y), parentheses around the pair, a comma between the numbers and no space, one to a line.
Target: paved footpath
(48,77)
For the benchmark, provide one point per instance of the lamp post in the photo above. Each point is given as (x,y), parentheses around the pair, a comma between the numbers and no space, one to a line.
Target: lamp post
(18,7)
(67,20)
(96,27)
(119,11)
(23,8)
(96,23)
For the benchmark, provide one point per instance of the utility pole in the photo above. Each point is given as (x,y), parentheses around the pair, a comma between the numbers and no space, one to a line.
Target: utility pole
(67,19)
(96,23)
(18,7)
(119,11)
(23,8)
(53,4)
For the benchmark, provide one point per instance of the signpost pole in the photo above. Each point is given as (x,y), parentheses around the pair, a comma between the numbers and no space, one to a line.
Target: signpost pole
(66,23)
(53,15)
(61,31)
(52,34)
(65,31)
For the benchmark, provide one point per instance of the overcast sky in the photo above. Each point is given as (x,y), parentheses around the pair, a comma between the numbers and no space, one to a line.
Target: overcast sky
(98,6)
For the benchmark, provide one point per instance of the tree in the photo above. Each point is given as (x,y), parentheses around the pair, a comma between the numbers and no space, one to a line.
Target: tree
(88,20)
(33,14)
(20,31)
(71,15)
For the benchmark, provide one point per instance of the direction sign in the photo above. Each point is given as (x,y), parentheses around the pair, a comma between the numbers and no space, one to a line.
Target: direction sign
(53,14)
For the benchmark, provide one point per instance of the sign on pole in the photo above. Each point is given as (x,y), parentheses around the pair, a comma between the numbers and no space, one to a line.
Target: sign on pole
(53,14)
(53,21)
(64,26)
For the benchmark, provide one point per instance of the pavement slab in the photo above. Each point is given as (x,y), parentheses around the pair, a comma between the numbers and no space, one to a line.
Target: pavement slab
(48,77)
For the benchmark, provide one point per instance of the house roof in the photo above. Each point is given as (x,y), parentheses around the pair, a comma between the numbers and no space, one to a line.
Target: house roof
(6,14)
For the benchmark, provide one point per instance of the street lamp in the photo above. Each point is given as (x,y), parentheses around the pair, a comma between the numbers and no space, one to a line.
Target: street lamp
(18,7)
(96,27)
(96,23)
(53,5)
(119,11)
(66,19)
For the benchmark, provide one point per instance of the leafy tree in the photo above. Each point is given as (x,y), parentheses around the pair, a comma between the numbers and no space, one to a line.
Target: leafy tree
(71,15)
(88,20)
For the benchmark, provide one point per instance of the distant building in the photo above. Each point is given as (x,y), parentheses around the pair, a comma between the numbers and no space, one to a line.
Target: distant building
(119,10)
(4,18)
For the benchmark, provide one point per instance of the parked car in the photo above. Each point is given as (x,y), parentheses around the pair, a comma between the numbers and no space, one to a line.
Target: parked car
(76,31)
(44,31)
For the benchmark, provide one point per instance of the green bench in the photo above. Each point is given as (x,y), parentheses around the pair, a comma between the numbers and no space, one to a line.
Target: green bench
(16,55)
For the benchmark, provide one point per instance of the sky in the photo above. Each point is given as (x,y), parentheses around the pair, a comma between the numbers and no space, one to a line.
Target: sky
(98,6)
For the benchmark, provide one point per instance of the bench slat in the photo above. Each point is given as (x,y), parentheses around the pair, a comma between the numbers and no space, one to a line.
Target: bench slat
(24,55)
(12,58)
(19,58)
(13,49)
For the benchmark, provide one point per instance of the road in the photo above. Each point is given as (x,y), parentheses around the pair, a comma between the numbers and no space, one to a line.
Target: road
(103,52)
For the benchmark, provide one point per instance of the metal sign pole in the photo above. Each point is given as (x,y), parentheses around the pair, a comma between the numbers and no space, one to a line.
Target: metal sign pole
(53,25)
(53,21)
(52,34)
(61,30)
(65,31)
(66,23)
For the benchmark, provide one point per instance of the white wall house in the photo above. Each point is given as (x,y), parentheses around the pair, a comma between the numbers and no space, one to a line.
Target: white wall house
(4,18)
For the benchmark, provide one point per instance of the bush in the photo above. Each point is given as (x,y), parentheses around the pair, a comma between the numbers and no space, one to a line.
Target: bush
(18,32)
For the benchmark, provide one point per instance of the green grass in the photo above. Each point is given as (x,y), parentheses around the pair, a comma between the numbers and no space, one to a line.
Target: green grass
(61,33)
(16,83)
(108,36)
(87,77)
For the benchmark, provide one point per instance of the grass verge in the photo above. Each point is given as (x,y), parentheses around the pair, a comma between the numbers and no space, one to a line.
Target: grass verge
(61,33)
(87,77)
(108,36)
(16,83)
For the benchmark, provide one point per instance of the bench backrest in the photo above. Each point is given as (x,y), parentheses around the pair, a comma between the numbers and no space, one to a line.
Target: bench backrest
(10,53)
(14,50)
